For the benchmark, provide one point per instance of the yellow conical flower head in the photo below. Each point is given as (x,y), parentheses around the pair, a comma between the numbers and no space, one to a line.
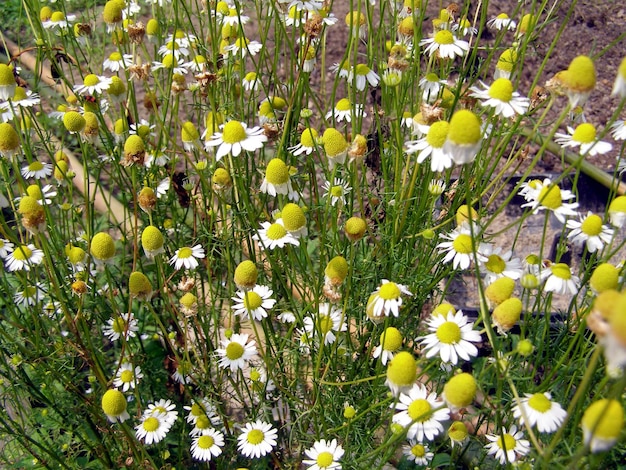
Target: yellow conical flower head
(293,217)
(604,277)
(147,199)
(152,240)
(355,228)
(76,255)
(402,371)
(406,26)
(499,290)
(460,391)
(113,401)
(465,128)
(9,140)
(139,285)
(604,304)
(464,214)
(7,82)
(189,133)
(112,12)
(581,74)
(117,87)
(134,150)
(45,13)
(507,314)
(336,270)
(334,142)
(29,205)
(91,125)
(277,172)
(391,339)
(188,300)
(152,27)
(246,275)
(602,424)
(221,178)
(507,60)
(617,322)
(102,247)
(34,191)
(61,170)
(443,309)
(74,121)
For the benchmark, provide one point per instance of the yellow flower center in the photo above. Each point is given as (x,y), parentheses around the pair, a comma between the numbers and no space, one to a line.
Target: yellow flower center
(402,369)
(22,253)
(437,134)
(309,137)
(203,422)
(127,376)
(276,232)
(293,217)
(420,410)
(418,450)
(495,264)
(391,339)
(113,403)
(205,442)
(506,442)
(57,16)
(539,402)
(119,325)
(246,273)
(362,69)
(20,94)
(501,89)
(462,244)
(592,225)
(252,300)
(324,459)
(507,60)
(152,238)
(73,121)
(336,191)
(444,37)
(449,333)
(234,350)
(584,133)
(334,142)
(324,324)
(91,80)
(503,16)
(185,252)
(460,390)
(233,132)
(550,197)
(343,105)
(389,291)
(151,424)
(255,437)
(277,172)
(464,128)
(561,270)
(581,74)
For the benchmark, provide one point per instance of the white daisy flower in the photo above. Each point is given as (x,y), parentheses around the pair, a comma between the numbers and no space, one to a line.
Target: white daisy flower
(257,439)
(362,75)
(309,140)
(25,98)
(6,248)
(387,298)
(344,110)
(23,258)
(204,423)
(431,85)
(174,48)
(58,20)
(277,179)
(451,338)
(152,429)
(170,61)
(618,129)
(121,325)
(328,321)
(324,455)
(236,352)
(459,247)
(560,280)
(502,21)
(432,145)
(93,84)
(495,264)
(590,231)
(337,192)
(508,446)
(127,377)
(243,46)
(421,413)
(143,129)
(235,17)
(164,408)
(540,410)
(584,136)
(417,452)
(37,170)
(445,45)
(502,97)
(286,317)
(273,235)
(250,82)
(30,296)
(236,137)
(202,408)
(254,303)
(117,61)
(550,197)
(390,342)
(602,424)
(208,445)
(187,257)
(156,157)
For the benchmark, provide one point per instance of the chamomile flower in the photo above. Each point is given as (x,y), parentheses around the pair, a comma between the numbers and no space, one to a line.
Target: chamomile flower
(58,20)
(93,84)
(431,85)
(25,98)
(602,424)
(324,455)
(335,146)
(37,170)
(344,110)
(234,138)
(23,258)
(560,280)
(30,296)
(361,75)
(309,140)
(254,303)
(540,411)
(579,80)
(464,137)
(325,323)
(234,17)
(387,299)
(445,45)
(202,408)
(250,82)
(121,325)
(117,61)
(207,445)
(277,179)
(590,231)
(548,196)
(417,453)
(171,62)
(584,136)
(390,342)
(432,145)
(502,21)
(127,377)
(422,413)
(236,352)
(617,211)
(501,96)
(175,48)
(274,235)
(257,439)
(459,247)
(508,446)
(336,192)
(152,429)
(114,406)
(452,337)
(494,263)
(618,129)
(401,373)
(187,257)
(6,248)
(243,47)
(164,408)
